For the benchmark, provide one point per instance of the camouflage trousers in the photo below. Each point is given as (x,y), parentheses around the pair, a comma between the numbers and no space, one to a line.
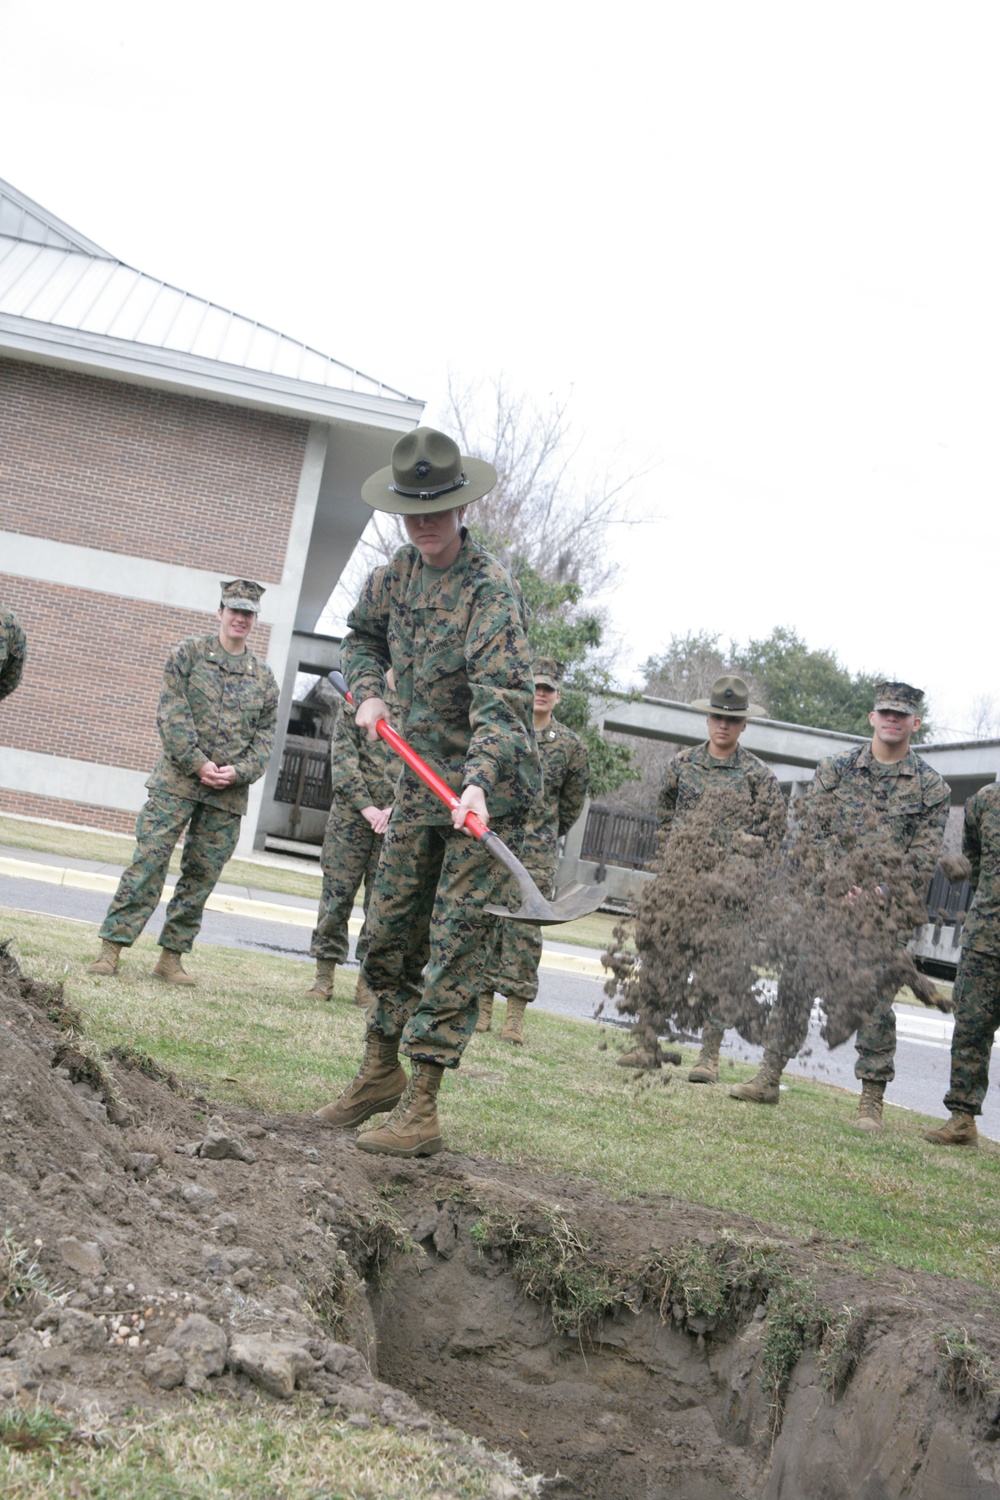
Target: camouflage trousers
(350,855)
(430,943)
(519,948)
(211,837)
(977,1017)
(788,1024)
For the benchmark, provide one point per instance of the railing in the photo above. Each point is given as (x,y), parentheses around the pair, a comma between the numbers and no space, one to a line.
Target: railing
(612,837)
(946,899)
(304,777)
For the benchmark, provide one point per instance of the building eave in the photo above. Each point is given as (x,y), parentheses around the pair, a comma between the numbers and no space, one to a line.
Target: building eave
(187,374)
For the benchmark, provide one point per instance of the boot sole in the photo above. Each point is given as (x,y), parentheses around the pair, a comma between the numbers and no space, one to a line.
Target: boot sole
(380,1107)
(695,1076)
(937,1140)
(425,1148)
(749,1099)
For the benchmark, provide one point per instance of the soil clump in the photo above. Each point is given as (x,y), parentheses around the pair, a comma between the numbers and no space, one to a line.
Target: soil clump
(157,1249)
(722,919)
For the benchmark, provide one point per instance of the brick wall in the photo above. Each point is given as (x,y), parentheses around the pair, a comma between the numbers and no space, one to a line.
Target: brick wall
(142,472)
(105,465)
(54,810)
(92,678)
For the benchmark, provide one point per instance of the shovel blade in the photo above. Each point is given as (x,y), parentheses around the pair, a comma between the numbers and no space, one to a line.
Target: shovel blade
(572,901)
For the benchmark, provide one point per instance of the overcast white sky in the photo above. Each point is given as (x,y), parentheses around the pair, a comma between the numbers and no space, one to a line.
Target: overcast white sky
(757,243)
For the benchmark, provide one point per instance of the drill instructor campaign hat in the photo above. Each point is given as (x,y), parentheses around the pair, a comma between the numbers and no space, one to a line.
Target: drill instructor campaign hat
(428,473)
(731,700)
(899,698)
(242,593)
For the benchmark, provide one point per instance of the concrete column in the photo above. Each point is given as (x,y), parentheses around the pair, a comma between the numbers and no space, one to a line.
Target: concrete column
(300,531)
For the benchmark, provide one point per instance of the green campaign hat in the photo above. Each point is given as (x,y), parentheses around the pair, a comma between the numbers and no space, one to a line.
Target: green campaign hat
(899,697)
(242,593)
(428,473)
(730,697)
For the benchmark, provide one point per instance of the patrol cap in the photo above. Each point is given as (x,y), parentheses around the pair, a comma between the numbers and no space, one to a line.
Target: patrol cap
(547,672)
(242,593)
(428,473)
(899,697)
(730,697)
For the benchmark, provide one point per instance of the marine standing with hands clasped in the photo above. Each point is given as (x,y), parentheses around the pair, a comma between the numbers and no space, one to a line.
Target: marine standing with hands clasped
(909,800)
(565,777)
(216,718)
(450,621)
(977,983)
(362,776)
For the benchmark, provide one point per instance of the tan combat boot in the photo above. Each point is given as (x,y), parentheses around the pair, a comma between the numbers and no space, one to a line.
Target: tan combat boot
(412,1129)
(107,960)
(169,968)
(764,1086)
(959,1131)
(513,1026)
(706,1068)
(870,1107)
(376,1087)
(485,1020)
(322,986)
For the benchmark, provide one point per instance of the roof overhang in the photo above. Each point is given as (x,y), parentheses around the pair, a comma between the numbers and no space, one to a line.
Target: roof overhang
(192,375)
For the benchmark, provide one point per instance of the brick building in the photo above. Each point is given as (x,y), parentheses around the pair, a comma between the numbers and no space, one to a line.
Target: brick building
(152,443)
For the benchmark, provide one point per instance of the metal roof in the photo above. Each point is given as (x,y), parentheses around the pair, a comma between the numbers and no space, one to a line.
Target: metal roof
(53,278)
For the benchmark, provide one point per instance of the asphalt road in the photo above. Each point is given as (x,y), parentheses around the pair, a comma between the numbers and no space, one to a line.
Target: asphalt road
(923,1036)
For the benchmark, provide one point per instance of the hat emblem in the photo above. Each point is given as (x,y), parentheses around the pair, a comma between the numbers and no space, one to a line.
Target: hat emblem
(422,469)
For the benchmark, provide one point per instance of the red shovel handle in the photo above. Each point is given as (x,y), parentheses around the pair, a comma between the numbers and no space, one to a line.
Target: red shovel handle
(419,767)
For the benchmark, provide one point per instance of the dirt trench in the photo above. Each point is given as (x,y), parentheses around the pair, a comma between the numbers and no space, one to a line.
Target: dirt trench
(653,1403)
(156,1249)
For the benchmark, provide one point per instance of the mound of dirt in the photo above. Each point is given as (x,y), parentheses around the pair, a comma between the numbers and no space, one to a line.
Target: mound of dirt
(156,1248)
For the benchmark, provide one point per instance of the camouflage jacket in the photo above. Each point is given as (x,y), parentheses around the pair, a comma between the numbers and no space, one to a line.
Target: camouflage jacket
(457,644)
(693,772)
(363,772)
(565,778)
(218,707)
(13,651)
(909,797)
(981,845)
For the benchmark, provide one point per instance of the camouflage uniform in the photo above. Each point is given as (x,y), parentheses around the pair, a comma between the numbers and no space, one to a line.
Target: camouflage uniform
(977,984)
(362,774)
(695,773)
(456,641)
(13,651)
(213,706)
(911,801)
(565,777)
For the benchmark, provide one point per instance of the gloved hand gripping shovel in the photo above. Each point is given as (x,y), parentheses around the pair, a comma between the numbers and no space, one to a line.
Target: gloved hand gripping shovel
(573,901)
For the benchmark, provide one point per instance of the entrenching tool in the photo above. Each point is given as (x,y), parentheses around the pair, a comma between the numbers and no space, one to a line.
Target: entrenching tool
(572,901)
